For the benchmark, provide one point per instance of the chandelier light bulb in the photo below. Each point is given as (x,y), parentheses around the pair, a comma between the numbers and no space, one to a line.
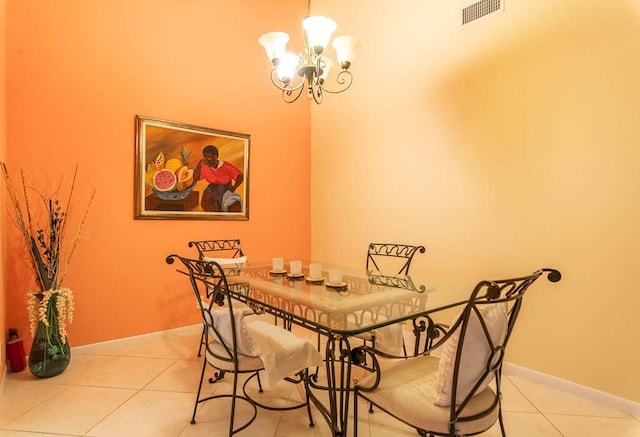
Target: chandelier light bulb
(287,66)
(275,44)
(345,47)
(318,30)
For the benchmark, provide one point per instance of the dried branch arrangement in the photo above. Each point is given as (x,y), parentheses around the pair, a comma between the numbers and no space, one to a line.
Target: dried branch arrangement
(42,218)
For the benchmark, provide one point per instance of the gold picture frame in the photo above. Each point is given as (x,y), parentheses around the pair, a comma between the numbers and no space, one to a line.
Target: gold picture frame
(184,171)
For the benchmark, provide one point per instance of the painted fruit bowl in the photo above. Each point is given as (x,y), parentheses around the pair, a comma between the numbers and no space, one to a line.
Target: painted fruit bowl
(173,195)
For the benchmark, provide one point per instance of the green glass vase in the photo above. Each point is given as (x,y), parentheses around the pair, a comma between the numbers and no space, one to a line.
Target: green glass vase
(49,355)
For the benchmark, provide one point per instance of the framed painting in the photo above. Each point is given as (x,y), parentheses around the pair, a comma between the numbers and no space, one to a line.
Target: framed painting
(190,172)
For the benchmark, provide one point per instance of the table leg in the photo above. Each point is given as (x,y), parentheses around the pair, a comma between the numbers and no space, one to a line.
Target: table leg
(338,388)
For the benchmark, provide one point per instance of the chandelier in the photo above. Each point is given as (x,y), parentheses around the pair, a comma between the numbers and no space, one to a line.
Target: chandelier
(293,74)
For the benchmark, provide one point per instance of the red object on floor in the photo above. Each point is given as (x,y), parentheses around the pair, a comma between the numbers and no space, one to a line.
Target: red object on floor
(15,355)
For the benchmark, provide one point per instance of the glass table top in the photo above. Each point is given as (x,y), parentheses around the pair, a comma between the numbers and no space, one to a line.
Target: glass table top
(361,302)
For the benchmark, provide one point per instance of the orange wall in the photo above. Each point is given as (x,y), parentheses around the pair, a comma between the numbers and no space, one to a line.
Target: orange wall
(78,73)
(3,149)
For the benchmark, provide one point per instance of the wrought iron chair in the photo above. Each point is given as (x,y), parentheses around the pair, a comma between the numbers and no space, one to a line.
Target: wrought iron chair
(458,393)
(228,346)
(382,258)
(223,252)
(385,259)
(213,250)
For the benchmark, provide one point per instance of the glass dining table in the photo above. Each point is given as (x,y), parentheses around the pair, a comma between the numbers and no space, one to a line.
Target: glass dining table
(361,302)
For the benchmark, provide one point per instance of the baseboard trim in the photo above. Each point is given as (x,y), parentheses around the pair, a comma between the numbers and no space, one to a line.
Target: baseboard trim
(592,394)
(2,383)
(148,335)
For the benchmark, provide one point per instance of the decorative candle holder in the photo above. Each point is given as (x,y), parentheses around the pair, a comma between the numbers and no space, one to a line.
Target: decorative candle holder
(335,277)
(335,280)
(315,274)
(277,267)
(315,271)
(295,269)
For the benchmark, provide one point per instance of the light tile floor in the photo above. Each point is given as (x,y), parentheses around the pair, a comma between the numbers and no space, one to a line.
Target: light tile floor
(145,386)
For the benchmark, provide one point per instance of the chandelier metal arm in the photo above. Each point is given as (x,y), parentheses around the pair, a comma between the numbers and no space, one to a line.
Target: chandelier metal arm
(288,93)
(316,93)
(287,85)
(343,78)
(310,75)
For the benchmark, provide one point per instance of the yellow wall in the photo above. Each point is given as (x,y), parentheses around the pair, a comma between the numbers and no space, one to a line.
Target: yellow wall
(78,73)
(503,147)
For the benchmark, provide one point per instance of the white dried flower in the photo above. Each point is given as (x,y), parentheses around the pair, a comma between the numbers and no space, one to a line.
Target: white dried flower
(39,309)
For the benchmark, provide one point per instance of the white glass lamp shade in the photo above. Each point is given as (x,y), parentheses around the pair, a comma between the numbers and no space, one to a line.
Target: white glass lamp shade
(287,67)
(319,30)
(345,47)
(275,44)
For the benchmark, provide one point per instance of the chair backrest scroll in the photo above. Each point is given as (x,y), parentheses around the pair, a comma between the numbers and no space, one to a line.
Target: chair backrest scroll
(383,257)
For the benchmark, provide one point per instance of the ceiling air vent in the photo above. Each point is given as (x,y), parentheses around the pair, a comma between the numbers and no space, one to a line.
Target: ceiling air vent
(480,9)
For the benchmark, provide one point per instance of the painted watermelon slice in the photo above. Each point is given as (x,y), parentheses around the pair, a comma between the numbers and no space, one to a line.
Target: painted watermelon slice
(165,180)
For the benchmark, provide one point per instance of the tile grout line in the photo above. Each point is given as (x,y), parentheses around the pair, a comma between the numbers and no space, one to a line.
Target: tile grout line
(534,405)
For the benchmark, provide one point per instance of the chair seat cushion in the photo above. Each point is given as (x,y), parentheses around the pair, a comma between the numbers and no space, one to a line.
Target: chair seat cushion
(218,357)
(222,321)
(282,352)
(246,310)
(226,261)
(410,387)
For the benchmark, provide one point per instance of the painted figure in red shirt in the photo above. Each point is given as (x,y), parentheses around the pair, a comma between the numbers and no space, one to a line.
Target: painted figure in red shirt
(223,178)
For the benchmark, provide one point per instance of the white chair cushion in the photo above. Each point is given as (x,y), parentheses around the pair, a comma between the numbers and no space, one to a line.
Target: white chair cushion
(222,321)
(226,261)
(408,391)
(475,353)
(245,363)
(282,352)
